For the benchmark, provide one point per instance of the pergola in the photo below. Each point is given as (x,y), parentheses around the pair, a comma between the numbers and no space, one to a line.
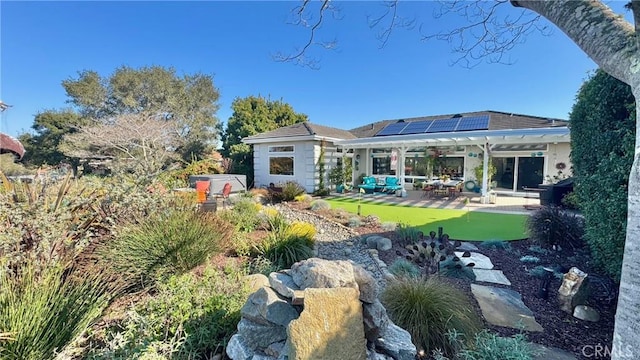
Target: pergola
(484,139)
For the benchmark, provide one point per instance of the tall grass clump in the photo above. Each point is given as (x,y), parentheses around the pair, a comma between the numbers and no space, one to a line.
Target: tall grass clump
(167,244)
(290,190)
(408,233)
(289,245)
(43,311)
(552,226)
(189,317)
(428,310)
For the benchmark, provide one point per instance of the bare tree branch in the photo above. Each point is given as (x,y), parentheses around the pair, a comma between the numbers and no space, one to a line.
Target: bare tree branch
(303,16)
(487,34)
(395,21)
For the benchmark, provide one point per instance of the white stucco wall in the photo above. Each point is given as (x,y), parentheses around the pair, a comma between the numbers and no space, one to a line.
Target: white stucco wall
(305,169)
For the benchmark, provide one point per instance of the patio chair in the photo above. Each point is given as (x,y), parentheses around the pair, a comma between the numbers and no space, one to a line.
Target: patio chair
(369,184)
(391,185)
(202,191)
(224,193)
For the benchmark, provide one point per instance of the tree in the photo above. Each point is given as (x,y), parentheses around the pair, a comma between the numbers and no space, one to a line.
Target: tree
(190,101)
(253,115)
(601,163)
(140,143)
(50,126)
(609,40)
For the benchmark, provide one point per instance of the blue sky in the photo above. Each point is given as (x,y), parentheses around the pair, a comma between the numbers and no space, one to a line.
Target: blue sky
(43,43)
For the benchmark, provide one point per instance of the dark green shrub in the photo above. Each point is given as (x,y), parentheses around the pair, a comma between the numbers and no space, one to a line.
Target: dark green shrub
(603,128)
(552,226)
(428,310)
(168,244)
(404,268)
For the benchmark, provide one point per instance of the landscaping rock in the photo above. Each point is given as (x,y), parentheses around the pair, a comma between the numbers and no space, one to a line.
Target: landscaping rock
(379,243)
(572,291)
(491,276)
(238,348)
(256,281)
(396,342)
(367,285)
(266,307)
(587,313)
(259,335)
(375,320)
(467,246)
(504,307)
(320,273)
(330,327)
(481,261)
(283,284)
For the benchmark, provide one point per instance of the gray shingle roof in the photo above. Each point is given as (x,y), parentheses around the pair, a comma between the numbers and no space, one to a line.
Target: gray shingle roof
(304,129)
(497,121)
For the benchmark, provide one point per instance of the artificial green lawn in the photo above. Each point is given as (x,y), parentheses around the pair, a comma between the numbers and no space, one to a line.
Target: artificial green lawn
(459,224)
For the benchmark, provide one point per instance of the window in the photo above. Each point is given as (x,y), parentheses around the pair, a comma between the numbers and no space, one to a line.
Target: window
(281,148)
(382,166)
(281,165)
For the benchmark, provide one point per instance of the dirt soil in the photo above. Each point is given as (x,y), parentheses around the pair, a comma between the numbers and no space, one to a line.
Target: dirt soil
(561,329)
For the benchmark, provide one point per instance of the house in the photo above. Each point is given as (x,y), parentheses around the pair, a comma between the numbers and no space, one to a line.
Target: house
(523,149)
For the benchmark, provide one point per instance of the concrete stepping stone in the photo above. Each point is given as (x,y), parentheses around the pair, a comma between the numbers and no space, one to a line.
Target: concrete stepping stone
(491,276)
(546,353)
(481,261)
(504,307)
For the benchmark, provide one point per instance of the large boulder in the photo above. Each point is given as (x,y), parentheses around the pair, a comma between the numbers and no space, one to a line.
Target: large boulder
(366,284)
(320,273)
(330,327)
(266,307)
(396,342)
(238,348)
(259,335)
(283,283)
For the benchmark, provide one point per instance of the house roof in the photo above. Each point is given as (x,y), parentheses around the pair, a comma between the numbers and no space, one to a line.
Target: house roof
(497,121)
(301,130)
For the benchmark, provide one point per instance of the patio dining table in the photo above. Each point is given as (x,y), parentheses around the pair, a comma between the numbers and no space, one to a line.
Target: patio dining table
(440,189)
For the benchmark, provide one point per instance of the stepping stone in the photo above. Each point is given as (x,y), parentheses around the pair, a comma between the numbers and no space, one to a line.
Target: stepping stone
(481,261)
(504,307)
(491,276)
(467,246)
(546,353)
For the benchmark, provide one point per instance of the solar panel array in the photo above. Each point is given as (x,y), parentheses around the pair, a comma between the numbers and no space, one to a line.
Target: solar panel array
(435,126)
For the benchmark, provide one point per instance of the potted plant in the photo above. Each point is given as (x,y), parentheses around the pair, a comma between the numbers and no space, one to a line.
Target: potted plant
(336,177)
(479,172)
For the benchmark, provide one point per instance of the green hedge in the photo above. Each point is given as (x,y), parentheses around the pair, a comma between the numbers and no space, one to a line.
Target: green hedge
(602,142)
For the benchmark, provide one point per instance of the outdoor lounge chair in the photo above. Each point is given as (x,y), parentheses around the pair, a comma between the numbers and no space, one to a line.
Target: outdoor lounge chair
(391,185)
(369,185)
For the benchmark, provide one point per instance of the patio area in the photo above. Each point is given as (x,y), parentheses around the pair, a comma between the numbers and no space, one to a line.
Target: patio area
(504,203)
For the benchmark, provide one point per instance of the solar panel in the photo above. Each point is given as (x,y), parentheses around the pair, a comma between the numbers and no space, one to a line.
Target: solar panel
(473,123)
(443,125)
(416,127)
(392,129)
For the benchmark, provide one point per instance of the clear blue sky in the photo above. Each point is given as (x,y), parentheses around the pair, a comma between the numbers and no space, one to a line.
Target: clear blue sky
(43,43)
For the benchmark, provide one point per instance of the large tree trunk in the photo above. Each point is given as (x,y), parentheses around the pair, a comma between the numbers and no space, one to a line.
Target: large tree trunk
(611,42)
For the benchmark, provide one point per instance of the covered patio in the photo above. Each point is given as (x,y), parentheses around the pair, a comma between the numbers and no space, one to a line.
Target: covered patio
(522,157)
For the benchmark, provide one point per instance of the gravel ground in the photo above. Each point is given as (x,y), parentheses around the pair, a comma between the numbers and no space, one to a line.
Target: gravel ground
(335,241)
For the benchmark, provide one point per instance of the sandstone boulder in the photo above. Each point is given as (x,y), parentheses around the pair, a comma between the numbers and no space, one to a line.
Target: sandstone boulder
(320,273)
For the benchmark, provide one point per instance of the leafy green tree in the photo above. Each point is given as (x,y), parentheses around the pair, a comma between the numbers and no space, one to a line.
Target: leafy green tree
(190,101)
(602,142)
(253,115)
(50,126)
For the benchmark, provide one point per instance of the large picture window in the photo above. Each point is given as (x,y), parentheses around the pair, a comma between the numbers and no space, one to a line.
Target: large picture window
(282,165)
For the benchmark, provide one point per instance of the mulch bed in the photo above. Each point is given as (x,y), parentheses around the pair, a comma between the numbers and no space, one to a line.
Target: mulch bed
(561,329)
